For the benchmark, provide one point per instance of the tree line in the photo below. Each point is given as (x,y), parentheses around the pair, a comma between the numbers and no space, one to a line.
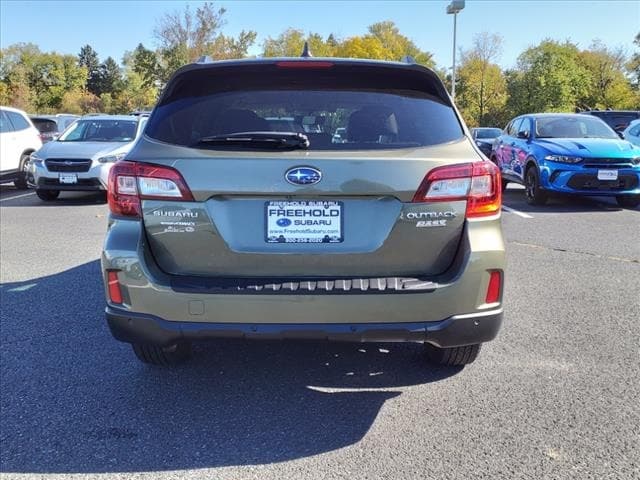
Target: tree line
(550,76)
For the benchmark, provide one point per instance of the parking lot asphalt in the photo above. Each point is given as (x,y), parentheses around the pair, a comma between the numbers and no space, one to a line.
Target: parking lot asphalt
(555,396)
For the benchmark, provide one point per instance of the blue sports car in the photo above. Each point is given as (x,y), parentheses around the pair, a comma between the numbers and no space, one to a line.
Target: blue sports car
(567,153)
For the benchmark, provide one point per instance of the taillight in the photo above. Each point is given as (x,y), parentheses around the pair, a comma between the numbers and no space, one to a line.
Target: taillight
(478,183)
(493,289)
(131,182)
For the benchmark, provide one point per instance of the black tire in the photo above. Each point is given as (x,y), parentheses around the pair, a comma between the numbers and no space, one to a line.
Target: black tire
(21,182)
(162,356)
(534,194)
(47,195)
(452,356)
(631,201)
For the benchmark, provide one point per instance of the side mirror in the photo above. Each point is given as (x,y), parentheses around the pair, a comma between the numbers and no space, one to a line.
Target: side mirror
(620,134)
(523,134)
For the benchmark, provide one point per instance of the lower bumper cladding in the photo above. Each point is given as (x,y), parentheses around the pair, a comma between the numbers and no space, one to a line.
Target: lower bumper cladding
(454,331)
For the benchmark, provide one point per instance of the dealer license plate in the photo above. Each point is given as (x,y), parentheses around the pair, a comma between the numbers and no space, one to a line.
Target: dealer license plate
(607,174)
(304,222)
(68,178)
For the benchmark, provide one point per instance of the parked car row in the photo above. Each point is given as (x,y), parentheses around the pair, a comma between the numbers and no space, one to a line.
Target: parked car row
(80,159)
(52,126)
(567,153)
(52,153)
(18,140)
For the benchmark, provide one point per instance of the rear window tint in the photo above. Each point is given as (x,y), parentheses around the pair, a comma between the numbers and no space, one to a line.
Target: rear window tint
(335,111)
(45,125)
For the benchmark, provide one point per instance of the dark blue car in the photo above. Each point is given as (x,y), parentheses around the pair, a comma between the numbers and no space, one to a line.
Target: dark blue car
(568,153)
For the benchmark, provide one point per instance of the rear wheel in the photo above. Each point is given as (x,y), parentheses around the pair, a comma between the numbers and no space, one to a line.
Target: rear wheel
(21,182)
(630,201)
(452,356)
(47,195)
(162,356)
(535,195)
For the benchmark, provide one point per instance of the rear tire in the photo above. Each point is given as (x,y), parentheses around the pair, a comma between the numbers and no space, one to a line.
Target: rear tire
(535,195)
(48,195)
(452,356)
(631,201)
(21,182)
(162,356)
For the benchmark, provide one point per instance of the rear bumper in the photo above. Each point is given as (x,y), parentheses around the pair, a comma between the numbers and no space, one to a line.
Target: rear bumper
(454,331)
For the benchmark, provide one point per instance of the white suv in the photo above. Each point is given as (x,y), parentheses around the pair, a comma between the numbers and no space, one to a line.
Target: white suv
(18,139)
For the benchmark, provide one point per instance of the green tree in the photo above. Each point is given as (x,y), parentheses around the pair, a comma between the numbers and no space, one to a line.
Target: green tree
(482,88)
(110,79)
(185,36)
(366,46)
(88,58)
(288,44)
(609,88)
(382,42)
(549,78)
(145,63)
(398,45)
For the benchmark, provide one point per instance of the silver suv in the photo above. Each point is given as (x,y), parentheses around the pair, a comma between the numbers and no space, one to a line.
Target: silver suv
(80,159)
(222,226)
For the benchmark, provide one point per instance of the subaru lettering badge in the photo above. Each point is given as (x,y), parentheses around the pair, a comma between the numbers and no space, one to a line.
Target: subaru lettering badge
(303,175)
(283,222)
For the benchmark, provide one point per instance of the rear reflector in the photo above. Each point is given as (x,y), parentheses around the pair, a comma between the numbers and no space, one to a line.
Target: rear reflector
(478,183)
(131,182)
(115,295)
(493,290)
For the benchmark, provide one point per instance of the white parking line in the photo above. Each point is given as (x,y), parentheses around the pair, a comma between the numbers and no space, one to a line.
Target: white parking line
(516,212)
(17,196)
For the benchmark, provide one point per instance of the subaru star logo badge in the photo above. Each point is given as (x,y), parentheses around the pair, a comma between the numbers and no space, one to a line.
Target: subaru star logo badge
(283,222)
(303,175)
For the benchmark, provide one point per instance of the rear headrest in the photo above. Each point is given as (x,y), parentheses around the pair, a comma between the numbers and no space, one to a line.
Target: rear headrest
(236,120)
(110,132)
(370,123)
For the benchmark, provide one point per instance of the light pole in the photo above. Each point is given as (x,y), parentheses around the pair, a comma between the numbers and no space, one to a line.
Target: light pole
(453,8)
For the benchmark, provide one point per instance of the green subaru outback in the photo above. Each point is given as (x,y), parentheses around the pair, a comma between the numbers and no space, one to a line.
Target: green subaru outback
(238,214)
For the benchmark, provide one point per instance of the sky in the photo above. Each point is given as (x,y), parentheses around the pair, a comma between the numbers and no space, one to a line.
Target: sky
(113,27)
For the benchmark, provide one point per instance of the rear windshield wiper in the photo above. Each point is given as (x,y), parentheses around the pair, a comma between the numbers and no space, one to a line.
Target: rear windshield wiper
(270,140)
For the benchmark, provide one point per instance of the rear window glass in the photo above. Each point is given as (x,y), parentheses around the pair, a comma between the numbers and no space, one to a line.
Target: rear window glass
(18,121)
(334,112)
(617,120)
(488,132)
(45,125)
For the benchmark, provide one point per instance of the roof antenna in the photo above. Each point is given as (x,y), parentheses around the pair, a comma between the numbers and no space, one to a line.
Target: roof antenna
(306,53)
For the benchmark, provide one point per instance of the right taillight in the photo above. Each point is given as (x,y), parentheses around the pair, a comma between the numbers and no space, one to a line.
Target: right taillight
(478,183)
(131,182)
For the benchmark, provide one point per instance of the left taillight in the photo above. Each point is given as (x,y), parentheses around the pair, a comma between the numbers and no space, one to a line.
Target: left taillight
(132,182)
(478,183)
